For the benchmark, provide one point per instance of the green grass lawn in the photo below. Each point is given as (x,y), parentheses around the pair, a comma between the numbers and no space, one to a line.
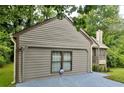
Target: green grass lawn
(116,74)
(6,75)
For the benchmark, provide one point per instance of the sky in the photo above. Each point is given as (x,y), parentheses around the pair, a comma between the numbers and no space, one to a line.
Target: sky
(121,12)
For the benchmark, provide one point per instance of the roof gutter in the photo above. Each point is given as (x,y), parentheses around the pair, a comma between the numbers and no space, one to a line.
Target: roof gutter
(91,59)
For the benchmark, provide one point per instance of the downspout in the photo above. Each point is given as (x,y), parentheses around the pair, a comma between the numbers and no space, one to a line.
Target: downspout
(98,54)
(91,59)
(12,39)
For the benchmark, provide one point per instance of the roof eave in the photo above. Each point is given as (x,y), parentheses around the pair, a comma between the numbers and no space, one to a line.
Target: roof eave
(87,36)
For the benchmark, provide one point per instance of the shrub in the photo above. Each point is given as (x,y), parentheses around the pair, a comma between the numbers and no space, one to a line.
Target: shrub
(95,68)
(2,61)
(4,55)
(112,61)
(105,69)
(115,59)
(108,69)
(100,68)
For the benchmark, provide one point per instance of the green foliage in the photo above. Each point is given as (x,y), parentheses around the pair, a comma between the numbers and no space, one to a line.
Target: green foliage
(108,69)
(115,52)
(2,61)
(4,55)
(100,68)
(97,17)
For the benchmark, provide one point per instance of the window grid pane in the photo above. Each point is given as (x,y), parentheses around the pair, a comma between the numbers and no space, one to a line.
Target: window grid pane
(56,56)
(67,61)
(56,61)
(56,67)
(67,65)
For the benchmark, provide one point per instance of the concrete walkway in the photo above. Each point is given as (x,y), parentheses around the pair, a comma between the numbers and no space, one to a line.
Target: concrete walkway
(79,80)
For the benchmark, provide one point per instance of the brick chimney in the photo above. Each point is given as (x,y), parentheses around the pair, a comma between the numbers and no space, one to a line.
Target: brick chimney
(99,34)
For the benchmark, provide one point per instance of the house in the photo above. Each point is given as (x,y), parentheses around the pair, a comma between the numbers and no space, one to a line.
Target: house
(45,48)
(99,50)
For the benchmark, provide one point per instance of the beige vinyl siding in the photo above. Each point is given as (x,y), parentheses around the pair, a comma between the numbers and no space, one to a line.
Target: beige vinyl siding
(100,57)
(19,67)
(94,55)
(37,62)
(57,33)
(80,61)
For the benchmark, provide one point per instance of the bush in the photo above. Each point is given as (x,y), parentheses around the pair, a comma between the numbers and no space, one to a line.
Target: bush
(4,55)
(94,68)
(115,59)
(100,68)
(112,61)
(105,69)
(2,61)
(108,69)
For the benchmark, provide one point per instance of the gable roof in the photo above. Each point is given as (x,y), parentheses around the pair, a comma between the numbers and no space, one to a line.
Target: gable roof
(96,44)
(49,20)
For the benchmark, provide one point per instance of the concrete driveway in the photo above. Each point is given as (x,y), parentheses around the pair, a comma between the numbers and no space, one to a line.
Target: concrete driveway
(79,80)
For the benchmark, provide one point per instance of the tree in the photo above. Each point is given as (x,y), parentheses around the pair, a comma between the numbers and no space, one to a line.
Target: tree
(93,18)
(15,18)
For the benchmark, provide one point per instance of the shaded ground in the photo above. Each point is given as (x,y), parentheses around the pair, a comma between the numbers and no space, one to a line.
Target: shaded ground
(79,80)
(117,74)
(6,75)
